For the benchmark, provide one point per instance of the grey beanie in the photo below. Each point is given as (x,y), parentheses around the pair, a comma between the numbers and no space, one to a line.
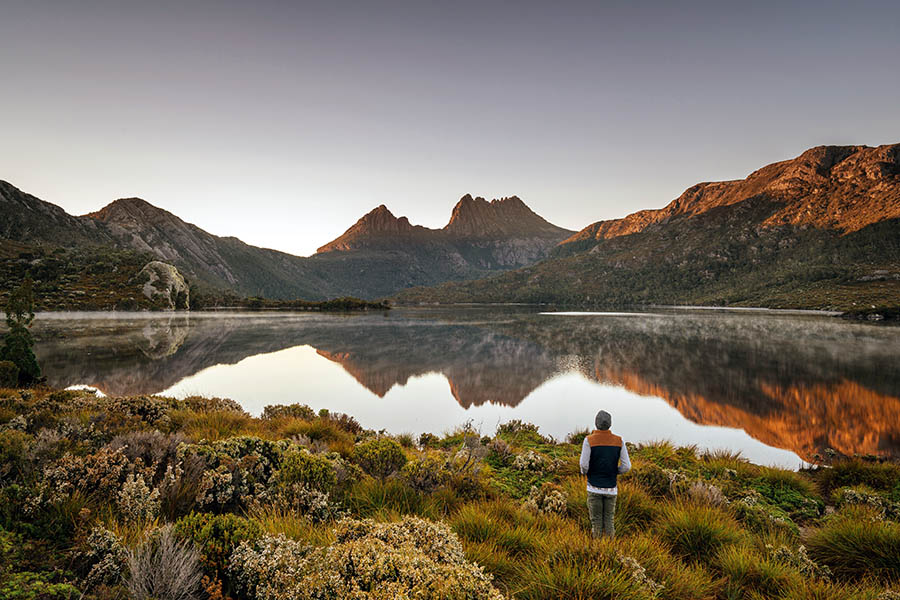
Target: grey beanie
(603,420)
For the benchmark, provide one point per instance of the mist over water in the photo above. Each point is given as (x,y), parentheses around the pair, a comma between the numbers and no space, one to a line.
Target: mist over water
(778,387)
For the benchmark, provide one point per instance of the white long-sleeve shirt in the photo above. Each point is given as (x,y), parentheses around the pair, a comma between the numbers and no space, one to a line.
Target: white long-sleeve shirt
(585,462)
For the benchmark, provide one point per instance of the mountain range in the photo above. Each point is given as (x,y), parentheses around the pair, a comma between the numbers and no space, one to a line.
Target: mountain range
(378,256)
(821,230)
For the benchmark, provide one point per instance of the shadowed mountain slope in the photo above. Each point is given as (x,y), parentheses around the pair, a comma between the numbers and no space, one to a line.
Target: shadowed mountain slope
(378,256)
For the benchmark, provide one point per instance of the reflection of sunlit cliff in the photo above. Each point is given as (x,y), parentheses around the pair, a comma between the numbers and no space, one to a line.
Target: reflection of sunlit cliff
(795,383)
(844,416)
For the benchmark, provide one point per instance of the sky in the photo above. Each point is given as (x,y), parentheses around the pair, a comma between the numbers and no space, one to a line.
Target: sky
(283,122)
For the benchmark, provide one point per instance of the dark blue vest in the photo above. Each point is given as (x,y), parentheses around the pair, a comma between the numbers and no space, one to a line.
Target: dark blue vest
(606,447)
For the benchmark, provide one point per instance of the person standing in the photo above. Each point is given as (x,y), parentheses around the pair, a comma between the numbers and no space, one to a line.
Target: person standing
(604,456)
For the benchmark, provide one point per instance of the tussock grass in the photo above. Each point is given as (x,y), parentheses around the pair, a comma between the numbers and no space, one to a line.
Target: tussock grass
(855,545)
(681,581)
(855,471)
(275,520)
(561,577)
(744,568)
(215,425)
(390,499)
(696,532)
(636,510)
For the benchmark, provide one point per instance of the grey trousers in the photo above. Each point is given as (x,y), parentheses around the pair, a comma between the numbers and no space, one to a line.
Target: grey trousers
(602,510)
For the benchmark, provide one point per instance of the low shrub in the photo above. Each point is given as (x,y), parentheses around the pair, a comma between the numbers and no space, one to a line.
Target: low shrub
(762,517)
(100,475)
(136,501)
(202,404)
(300,466)
(548,498)
(379,457)
(104,558)
(850,472)
(37,586)
(577,437)
(156,450)
(216,536)
(520,432)
(9,374)
(865,496)
(13,447)
(411,558)
(427,472)
(657,481)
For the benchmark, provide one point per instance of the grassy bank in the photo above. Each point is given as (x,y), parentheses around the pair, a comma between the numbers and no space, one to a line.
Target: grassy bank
(148,497)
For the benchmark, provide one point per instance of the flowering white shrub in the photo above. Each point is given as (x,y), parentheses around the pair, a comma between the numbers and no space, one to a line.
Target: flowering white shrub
(313,504)
(237,470)
(136,500)
(106,556)
(706,493)
(410,559)
(639,574)
(800,561)
(532,461)
(855,496)
(547,498)
(101,474)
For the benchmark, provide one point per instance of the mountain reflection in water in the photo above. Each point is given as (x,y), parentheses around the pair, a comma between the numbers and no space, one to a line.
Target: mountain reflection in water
(797,382)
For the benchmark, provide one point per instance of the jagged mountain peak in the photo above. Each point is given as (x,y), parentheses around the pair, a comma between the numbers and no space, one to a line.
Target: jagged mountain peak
(133,212)
(505,217)
(373,228)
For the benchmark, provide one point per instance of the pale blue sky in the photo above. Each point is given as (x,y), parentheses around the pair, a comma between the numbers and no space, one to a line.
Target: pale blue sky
(283,122)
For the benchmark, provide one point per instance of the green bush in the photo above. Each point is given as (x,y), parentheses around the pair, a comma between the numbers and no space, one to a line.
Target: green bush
(9,374)
(379,457)
(427,472)
(18,341)
(300,466)
(13,445)
(36,586)
(216,536)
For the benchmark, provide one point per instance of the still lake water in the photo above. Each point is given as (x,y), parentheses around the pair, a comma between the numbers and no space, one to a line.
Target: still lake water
(779,387)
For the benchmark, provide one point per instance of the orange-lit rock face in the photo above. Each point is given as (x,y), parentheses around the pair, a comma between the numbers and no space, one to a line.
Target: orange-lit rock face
(834,187)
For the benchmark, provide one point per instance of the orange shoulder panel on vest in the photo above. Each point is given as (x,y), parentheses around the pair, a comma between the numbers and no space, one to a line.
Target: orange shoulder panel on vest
(603,438)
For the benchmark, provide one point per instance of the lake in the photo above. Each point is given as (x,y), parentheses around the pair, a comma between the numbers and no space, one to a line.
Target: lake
(778,386)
